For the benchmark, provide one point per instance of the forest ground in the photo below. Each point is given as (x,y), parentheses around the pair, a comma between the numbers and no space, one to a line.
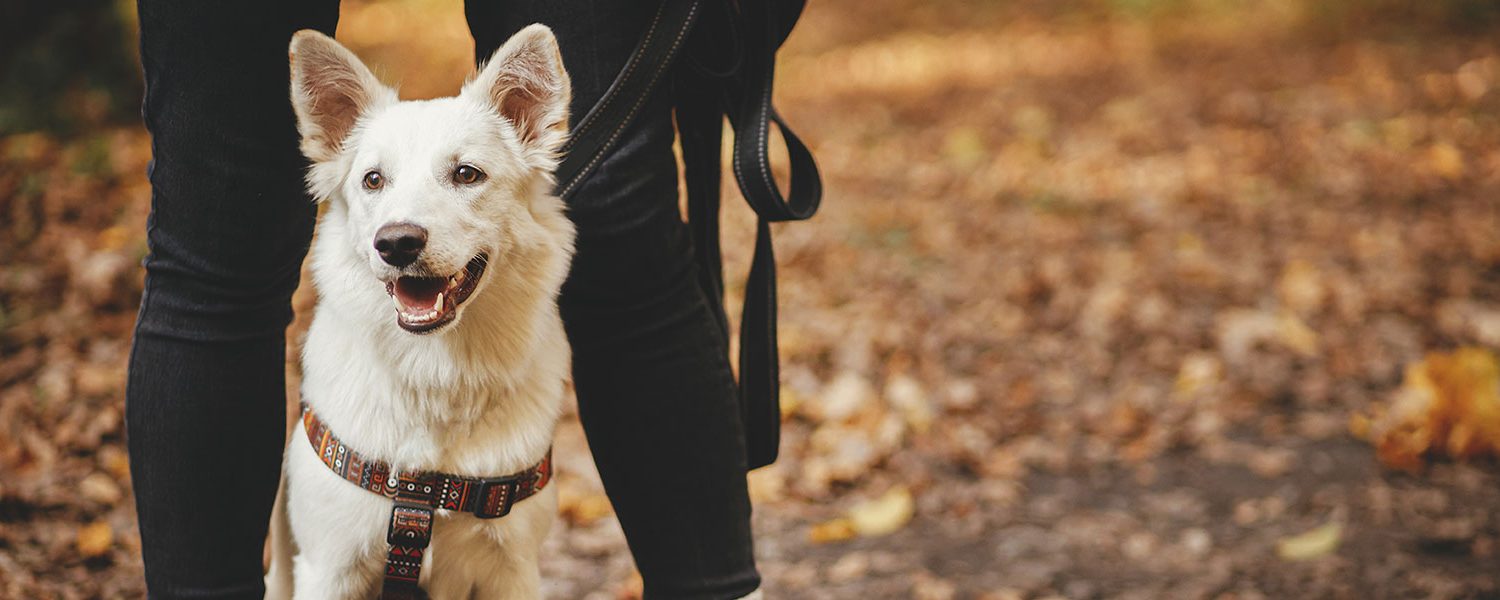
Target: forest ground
(1100,304)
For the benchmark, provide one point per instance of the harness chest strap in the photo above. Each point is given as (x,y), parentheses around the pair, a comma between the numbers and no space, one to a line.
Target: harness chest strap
(416,495)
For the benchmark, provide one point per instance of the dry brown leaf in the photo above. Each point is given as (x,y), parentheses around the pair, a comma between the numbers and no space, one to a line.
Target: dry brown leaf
(1448,405)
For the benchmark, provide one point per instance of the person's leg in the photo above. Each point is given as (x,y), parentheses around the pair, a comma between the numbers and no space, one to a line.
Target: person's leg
(230,223)
(655,391)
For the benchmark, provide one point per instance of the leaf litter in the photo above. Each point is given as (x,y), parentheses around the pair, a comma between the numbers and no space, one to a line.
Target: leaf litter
(1099,306)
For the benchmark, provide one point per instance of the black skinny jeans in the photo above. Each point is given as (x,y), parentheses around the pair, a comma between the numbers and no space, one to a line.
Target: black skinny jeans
(229,227)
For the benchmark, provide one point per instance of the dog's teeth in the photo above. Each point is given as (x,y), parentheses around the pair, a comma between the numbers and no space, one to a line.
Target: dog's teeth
(397,302)
(438,306)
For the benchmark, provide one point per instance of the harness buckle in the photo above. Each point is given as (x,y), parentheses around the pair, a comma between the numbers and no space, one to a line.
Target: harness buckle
(496,497)
(411,525)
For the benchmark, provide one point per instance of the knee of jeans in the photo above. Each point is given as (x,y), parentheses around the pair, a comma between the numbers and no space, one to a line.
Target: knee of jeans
(644,271)
(216,301)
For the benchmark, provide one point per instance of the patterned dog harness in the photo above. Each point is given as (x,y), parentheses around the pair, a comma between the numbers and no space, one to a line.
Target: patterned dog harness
(416,495)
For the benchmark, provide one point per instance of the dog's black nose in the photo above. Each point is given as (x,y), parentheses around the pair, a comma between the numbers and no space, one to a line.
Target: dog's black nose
(400,243)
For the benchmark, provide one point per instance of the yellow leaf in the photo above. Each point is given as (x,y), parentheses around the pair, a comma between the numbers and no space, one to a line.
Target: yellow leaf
(883,515)
(837,530)
(581,506)
(766,484)
(1445,160)
(1448,405)
(95,539)
(963,146)
(1296,335)
(1300,286)
(113,238)
(790,402)
(1199,371)
(1313,544)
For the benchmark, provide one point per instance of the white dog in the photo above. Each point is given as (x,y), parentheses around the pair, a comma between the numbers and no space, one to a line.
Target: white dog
(444,209)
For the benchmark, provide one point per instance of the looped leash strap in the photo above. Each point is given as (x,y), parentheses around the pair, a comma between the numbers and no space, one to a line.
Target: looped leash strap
(415,496)
(732,49)
(704,97)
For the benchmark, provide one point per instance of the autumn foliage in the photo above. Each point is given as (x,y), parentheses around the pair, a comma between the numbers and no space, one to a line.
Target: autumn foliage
(1447,407)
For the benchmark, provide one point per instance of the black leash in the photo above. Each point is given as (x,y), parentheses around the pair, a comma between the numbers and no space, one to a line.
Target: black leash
(731,67)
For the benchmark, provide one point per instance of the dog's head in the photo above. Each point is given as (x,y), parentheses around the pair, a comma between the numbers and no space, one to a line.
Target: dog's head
(435,197)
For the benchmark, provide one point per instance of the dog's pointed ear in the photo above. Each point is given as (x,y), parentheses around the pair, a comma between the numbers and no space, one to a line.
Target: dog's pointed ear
(331,88)
(525,82)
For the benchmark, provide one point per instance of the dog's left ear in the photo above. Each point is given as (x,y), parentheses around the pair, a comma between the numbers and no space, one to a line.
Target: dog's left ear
(331,89)
(525,82)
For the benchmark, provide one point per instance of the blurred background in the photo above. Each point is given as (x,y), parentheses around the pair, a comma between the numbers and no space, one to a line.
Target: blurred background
(1108,299)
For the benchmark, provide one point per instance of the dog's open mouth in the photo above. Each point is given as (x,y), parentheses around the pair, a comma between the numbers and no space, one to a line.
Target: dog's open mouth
(427,303)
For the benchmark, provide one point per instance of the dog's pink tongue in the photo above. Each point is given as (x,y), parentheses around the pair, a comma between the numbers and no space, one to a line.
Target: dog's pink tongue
(420,292)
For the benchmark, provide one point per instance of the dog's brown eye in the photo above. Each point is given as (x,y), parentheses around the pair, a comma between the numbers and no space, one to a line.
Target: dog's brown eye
(467,174)
(373,180)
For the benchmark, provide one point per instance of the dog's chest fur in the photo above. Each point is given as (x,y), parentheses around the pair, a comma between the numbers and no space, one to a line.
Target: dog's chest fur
(479,400)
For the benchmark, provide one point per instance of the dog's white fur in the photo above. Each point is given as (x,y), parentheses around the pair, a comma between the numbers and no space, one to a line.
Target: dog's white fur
(478,397)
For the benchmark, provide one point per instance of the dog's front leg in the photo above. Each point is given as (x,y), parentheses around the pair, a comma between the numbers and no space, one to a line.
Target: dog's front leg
(322,579)
(339,529)
(509,573)
(494,559)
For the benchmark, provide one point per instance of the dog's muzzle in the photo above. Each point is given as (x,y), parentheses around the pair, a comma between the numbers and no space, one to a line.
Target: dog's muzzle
(424,304)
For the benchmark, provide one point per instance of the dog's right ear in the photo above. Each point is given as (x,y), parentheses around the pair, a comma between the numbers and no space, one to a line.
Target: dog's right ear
(525,82)
(331,88)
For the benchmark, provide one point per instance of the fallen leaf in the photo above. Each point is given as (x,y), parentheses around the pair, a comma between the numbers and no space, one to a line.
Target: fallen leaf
(964,147)
(790,402)
(1300,286)
(847,395)
(95,539)
(1448,405)
(837,530)
(1316,543)
(1296,335)
(1445,160)
(580,505)
(1199,371)
(100,488)
(927,586)
(907,396)
(766,484)
(850,567)
(883,515)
